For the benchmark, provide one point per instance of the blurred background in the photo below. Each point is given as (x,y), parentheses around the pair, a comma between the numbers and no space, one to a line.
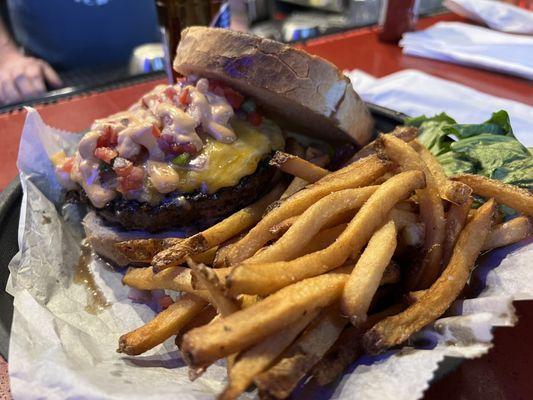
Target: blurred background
(56,47)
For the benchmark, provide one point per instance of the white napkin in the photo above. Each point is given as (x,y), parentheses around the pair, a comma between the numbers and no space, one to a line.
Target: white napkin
(495,14)
(415,93)
(473,46)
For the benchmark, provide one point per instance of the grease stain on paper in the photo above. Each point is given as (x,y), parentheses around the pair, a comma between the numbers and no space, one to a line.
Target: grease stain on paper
(96,301)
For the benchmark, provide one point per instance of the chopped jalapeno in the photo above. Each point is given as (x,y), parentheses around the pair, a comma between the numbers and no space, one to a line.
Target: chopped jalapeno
(182,159)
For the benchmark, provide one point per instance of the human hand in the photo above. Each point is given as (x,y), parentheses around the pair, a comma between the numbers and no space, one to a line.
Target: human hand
(23,77)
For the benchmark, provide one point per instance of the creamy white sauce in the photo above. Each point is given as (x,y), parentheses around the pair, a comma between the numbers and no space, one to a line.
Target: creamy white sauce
(162,110)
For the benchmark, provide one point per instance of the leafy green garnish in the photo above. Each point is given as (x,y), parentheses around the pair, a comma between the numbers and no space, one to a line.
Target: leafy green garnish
(488,149)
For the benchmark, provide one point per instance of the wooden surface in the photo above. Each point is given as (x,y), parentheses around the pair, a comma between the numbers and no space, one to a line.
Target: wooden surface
(504,373)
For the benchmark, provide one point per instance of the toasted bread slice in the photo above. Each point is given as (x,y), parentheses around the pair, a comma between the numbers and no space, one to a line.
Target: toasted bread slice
(302,90)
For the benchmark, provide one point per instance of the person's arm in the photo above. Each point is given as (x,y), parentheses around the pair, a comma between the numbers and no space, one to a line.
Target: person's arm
(21,77)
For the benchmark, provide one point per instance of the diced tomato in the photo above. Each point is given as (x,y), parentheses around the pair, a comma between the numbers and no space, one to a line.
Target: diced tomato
(67,165)
(108,138)
(170,92)
(122,167)
(165,302)
(106,154)
(254,118)
(235,99)
(133,180)
(185,97)
(155,131)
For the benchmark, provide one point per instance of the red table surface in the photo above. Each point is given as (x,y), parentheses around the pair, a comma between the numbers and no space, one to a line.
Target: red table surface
(504,373)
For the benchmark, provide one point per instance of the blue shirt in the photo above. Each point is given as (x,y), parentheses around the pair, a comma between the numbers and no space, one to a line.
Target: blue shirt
(83,33)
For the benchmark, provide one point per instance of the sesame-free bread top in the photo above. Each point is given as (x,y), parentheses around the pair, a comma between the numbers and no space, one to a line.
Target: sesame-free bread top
(306,91)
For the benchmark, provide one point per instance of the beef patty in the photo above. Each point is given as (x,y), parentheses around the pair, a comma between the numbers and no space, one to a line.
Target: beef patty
(194,209)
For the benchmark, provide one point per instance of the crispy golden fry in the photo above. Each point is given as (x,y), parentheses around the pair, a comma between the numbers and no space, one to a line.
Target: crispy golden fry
(322,239)
(355,175)
(455,221)
(167,323)
(348,348)
(266,278)
(257,358)
(224,248)
(431,210)
(178,279)
(207,257)
(312,221)
(513,196)
(454,192)
(280,380)
(436,300)
(367,274)
(204,317)
(298,167)
(413,234)
(405,133)
(209,279)
(217,234)
(279,229)
(407,205)
(296,185)
(240,330)
(508,233)
(402,218)
(413,297)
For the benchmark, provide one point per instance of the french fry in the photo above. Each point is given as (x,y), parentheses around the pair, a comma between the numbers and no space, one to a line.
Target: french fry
(455,221)
(298,167)
(454,192)
(367,274)
(355,175)
(257,358)
(215,235)
(513,196)
(508,233)
(413,297)
(322,239)
(178,279)
(266,278)
(209,279)
(348,348)
(312,221)
(402,218)
(405,133)
(167,323)
(280,380)
(279,229)
(436,300)
(431,210)
(204,317)
(204,345)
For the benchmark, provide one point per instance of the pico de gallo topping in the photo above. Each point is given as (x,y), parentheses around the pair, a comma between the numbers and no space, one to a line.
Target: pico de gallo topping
(138,153)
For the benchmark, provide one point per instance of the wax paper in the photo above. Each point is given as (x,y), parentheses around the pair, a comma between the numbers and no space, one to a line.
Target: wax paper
(58,350)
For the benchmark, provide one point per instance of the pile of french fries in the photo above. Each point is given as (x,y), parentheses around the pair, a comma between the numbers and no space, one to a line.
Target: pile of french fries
(325,269)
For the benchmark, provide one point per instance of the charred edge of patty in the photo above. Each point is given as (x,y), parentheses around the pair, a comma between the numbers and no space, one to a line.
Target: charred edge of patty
(195,209)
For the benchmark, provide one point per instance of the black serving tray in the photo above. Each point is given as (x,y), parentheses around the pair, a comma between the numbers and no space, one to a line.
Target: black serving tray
(10,201)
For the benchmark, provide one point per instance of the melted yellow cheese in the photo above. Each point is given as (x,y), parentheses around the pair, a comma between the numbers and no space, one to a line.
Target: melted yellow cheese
(228,163)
